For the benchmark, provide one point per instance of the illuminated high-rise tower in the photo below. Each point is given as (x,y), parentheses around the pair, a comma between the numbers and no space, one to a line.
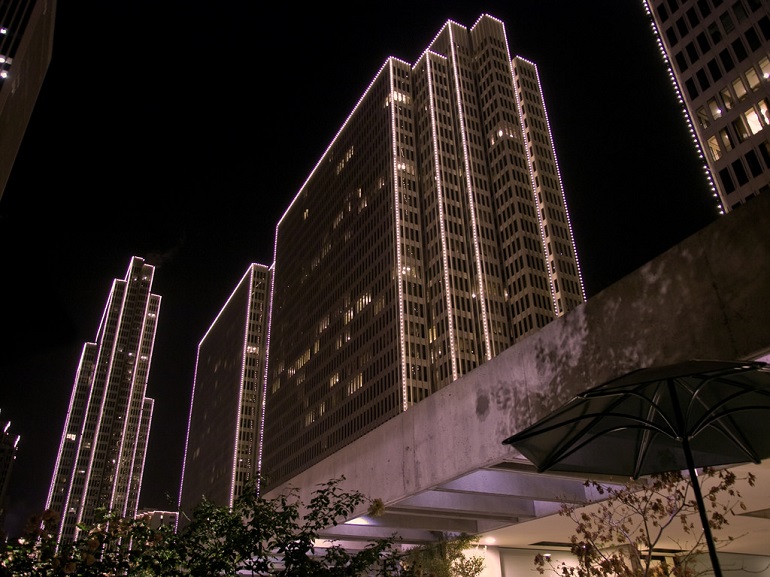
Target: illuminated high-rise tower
(718,54)
(224,434)
(104,442)
(432,234)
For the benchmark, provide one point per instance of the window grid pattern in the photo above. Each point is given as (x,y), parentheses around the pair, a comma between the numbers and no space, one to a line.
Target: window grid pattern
(719,53)
(397,265)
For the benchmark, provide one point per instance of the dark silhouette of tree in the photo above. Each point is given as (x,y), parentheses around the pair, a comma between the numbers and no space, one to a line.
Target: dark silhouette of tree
(619,536)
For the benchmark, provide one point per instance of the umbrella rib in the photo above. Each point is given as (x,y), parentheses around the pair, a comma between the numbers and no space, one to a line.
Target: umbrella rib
(716,413)
(558,455)
(562,451)
(729,432)
(653,408)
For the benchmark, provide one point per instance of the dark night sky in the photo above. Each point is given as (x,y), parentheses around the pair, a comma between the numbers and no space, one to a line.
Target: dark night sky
(180,132)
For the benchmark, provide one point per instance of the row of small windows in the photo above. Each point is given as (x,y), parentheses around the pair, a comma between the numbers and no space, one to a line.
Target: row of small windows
(735,92)
(704,82)
(665,10)
(691,55)
(303,454)
(750,122)
(525,326)
(736,175)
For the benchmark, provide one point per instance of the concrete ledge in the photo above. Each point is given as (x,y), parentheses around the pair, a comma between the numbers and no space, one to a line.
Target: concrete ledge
(706,298)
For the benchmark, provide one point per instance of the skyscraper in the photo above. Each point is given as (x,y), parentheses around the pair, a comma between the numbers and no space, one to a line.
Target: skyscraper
(26,45)
(224,432)
(9,444)
(432,234)
(718,55)
(104,441)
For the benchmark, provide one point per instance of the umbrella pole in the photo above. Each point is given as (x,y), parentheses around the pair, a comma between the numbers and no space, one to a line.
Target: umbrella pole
(701,508)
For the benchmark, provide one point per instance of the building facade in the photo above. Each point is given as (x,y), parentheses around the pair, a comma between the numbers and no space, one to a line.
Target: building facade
(9,446)
(432,235)
(224,432)
(718,53)
(104,442)
(26,45)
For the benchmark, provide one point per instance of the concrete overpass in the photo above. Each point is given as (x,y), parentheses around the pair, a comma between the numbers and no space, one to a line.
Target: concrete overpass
(441,466)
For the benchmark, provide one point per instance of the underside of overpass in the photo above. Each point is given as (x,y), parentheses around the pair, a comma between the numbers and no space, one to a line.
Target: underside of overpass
(478,503)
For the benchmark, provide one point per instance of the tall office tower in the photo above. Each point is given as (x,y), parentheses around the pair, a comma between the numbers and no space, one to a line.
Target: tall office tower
(224,435)
(104,442)
(432,234)
(9,444)
(26,45)
(717,52)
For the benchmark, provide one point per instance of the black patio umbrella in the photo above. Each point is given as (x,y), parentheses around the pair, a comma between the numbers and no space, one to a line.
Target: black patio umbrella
(694,414)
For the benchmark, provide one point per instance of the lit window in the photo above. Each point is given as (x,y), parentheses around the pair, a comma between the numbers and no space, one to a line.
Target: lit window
(716,152)
(703,117)
(740,88)
(740,129)
(764,110)
(764,66)
(727,98)
(727,140)
(716,112)
(752,120)
(753,78)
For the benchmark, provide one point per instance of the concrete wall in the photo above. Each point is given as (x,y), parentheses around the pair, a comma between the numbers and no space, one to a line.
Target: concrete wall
(706,298)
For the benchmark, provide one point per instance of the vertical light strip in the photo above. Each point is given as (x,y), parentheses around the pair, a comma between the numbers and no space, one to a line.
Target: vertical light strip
(269,312)
(118,467)
(189,422)
(148,407)
(699,147)
(136,371)
(561,184)
(76,454)
(538,206)
(398,223)
(249,279)
(480,269)
(118,482)
(113,336)
(441,224)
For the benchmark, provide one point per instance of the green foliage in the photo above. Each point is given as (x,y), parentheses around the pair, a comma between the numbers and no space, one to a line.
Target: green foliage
(619,536)
(444,558)
(114,546)
(257,536)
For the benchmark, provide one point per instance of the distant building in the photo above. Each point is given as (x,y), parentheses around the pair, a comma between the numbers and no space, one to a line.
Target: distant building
(9,444)
(224,433)
(104,441)
(26,45)
(158,518)
(432,234)
(719,58)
